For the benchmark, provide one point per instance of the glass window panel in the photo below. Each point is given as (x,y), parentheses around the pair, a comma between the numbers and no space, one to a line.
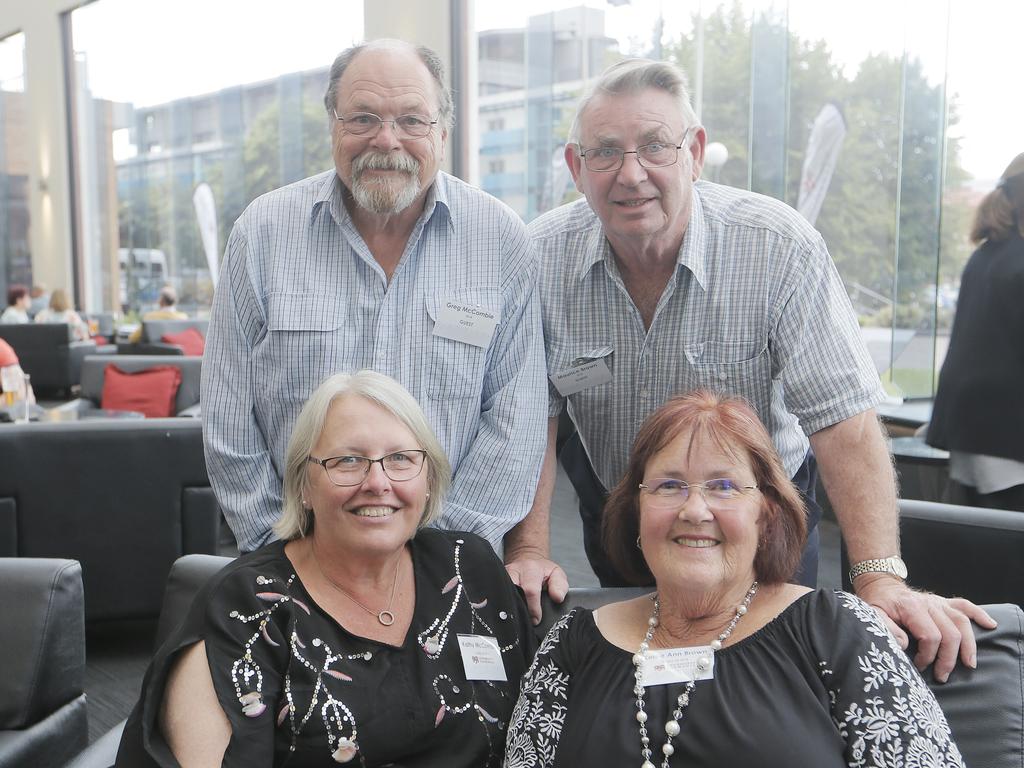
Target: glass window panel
(153,120)
(15,258)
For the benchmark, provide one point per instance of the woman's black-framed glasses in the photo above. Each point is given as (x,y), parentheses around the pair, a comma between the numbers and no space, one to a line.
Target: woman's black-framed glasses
(352,470)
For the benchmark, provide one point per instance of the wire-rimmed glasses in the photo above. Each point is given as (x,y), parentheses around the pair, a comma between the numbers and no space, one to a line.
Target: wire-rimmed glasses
(412,126)
(655,154)
(352,470)
(671,493)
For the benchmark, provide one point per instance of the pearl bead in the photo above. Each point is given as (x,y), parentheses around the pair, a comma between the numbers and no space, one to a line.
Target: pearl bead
(641,716)
(716,645)
(703,662)
(668,749)
(742,610)
(672,728)
(638,659)
(653,621)
(648,764)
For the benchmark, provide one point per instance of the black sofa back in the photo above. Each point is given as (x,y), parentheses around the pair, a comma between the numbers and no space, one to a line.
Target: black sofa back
(125,498)
(47,353)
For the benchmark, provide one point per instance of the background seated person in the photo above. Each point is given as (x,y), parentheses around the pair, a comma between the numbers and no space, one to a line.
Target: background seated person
(166,310)
(342,640)
(18,302)
(62,311)
(784,675)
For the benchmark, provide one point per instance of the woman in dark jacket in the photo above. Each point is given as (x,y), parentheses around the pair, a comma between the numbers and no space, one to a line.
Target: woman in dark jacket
(979,409)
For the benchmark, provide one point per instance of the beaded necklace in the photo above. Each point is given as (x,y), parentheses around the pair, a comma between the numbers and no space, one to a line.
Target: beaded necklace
(683,700)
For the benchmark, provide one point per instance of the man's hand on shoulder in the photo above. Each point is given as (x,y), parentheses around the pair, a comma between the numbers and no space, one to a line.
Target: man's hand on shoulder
(532,571)
(941,625)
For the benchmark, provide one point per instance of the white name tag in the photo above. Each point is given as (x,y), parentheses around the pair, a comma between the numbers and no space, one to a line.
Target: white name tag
(481,656)
(678,665)
(579,377)
(467,323)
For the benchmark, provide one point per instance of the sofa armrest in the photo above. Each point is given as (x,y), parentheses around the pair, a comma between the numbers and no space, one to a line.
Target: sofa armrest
(43,637)
(192,412)
(149,348)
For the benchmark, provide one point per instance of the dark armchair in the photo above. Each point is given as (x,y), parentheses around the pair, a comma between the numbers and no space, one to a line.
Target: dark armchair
(42,703)
(48,354)
(124,498)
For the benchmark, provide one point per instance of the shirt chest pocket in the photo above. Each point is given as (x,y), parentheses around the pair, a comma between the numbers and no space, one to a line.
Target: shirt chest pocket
(456,368)
(735,368)
(309,336)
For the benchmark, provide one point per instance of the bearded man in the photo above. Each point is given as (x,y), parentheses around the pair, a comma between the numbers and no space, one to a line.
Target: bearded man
(386,263)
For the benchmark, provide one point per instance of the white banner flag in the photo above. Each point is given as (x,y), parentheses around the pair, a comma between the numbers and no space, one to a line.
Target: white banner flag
(206,215)
(820,160)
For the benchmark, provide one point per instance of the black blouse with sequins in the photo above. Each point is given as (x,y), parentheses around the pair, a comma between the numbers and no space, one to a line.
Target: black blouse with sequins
(298,689)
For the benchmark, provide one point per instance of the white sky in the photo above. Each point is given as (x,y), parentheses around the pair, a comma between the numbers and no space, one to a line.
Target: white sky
(149,51)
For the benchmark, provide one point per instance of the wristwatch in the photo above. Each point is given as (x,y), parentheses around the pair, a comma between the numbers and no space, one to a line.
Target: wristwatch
(891,565)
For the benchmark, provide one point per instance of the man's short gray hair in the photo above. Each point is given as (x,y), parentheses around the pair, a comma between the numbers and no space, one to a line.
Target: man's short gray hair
(430,59)
(296,520)
(633,76)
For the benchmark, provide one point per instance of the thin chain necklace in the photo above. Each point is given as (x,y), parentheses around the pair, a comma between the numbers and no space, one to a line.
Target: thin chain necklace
(385,617)
(683,700)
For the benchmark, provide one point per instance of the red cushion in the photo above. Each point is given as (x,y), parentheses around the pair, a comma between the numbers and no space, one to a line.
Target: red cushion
(7,355)
(151,391)
(99,341)
(190,340)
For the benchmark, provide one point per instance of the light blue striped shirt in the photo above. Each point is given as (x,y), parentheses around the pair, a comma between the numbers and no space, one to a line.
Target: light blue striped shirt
(755,308)
(301,298)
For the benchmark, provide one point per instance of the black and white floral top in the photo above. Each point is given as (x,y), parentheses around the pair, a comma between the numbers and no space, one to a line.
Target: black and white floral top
(823,684)
(298,689)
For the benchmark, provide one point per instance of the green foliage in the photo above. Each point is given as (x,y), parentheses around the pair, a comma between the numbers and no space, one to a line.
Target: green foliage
(893,220)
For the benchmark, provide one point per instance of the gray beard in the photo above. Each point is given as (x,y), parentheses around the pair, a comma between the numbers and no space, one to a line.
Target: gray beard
(390,196)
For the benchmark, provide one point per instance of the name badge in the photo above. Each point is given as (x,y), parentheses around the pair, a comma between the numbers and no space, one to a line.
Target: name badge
(468,323)
(481,657)
(678,665)
(576,378)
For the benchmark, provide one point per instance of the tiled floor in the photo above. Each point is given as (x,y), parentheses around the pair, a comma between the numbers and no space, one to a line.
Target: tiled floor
(117,654)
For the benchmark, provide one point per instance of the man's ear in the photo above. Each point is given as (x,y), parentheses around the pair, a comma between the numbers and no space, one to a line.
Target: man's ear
(696,150)
(574,163)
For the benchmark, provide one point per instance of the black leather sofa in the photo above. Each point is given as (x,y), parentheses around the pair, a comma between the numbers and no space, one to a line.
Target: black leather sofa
(47,353)
(125,498)
(154,330)
(186,402)
(42,638)
(984,707)
(961,551)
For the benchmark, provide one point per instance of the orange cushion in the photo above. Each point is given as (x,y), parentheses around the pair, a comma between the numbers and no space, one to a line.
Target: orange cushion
(190,340)
(151,391)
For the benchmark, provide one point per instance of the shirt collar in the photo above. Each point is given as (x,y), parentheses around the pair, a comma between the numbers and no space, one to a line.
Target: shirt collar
(692,252)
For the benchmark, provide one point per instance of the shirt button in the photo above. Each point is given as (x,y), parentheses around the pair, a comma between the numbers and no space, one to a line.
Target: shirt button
(723,376)
(502,615)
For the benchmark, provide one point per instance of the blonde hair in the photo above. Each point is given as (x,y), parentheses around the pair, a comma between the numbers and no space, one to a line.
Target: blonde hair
(59,301)
(296,521)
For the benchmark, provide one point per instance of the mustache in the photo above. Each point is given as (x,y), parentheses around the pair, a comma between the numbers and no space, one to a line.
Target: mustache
(384,161)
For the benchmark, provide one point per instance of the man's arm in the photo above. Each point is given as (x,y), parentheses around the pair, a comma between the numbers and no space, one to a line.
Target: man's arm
(857,472)
(494,483)
(237,457)
(528,545)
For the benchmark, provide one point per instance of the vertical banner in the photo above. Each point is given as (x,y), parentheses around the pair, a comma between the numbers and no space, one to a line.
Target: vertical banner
(206,216)
(820,160)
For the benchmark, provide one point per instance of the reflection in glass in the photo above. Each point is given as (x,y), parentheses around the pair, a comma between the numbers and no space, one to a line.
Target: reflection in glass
(15,258)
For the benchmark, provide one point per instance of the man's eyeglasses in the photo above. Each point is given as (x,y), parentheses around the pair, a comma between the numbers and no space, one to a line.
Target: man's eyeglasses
(367,124)
(669,493)
(656,154)
(352,470)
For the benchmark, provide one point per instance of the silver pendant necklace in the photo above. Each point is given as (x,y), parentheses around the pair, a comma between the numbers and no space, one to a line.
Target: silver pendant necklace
(683,700)
(385,617)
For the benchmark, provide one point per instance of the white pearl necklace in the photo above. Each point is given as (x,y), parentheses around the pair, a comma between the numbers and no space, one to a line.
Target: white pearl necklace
(683,700)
